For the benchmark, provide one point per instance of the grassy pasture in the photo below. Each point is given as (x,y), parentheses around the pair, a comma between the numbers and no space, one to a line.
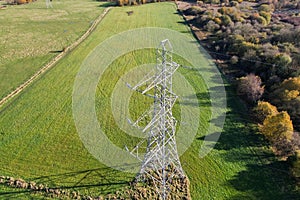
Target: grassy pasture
(14,193)
(39,141)
(31,35)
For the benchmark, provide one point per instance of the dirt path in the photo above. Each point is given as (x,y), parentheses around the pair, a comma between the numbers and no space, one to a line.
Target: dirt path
(55,60)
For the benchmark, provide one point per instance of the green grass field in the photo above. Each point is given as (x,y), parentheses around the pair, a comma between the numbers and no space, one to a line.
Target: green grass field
(31,35)
(39,141)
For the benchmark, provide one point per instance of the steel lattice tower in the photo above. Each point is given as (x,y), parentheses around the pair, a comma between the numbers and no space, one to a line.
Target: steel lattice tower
(48,4)
(160,165)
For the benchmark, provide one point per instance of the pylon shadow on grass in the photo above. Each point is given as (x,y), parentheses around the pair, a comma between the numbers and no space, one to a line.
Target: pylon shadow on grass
(94,182)
(104,179)
(202,99)
(13,193)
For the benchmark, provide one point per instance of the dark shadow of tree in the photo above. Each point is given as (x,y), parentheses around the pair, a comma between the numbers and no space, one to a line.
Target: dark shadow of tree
(265,181)
(107,4)
(264,177)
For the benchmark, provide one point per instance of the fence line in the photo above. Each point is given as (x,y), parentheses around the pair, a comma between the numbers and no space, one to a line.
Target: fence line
(55,59)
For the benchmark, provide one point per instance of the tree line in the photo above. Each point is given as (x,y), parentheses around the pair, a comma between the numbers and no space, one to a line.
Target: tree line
(261,49)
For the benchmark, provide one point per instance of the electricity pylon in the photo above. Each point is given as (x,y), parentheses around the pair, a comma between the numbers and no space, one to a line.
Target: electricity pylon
(161,166)
(49,4)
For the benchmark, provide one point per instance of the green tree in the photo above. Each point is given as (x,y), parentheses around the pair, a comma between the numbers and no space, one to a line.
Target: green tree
(265,7)
(282,62)
(295,165)
(226,20)
(266,15)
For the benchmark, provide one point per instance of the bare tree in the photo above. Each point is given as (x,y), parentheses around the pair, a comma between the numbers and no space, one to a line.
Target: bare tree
(250,88)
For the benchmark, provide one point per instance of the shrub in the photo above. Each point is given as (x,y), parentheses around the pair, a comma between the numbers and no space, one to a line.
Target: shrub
(268,51)
(222,10)
(285,148)
(266,15)
(21,1)
(211,26)
(277,127)
(226,20)
(263,110)
(295,165)
(291,84)
(234,3)
(194,10)
(262,20)
(282,64)
(200,3)
(234,60)
(284,59)
(218,20)
(235,16)
(215,1)
(265,7)
(249,88)
(120,2)
(287,97)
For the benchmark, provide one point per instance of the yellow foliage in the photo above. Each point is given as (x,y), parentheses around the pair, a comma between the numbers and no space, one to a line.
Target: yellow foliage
(277,127)
(122,2)
(250,45)
(266,15)
(265,109)
(222,10)
(218,20)
(291,83)
(21,1)
(291,94)
(289,89)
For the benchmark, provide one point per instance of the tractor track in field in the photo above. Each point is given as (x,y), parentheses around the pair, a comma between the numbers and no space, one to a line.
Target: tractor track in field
(55,59)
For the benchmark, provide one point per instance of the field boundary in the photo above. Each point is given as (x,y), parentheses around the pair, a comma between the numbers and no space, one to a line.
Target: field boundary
(43,190)
(55,59)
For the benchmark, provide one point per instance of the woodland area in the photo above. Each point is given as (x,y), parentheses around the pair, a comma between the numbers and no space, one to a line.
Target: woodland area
(257,46)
